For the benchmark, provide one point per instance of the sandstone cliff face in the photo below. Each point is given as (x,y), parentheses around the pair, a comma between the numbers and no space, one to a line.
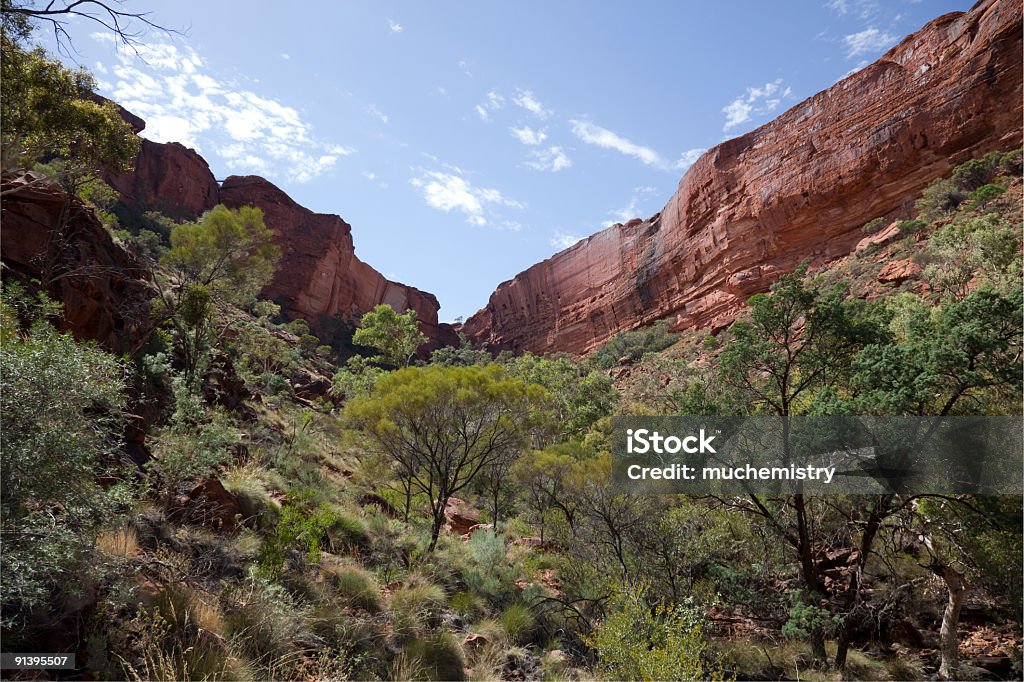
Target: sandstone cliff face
(102,286)
(319,275)
(169,178)
(797,188)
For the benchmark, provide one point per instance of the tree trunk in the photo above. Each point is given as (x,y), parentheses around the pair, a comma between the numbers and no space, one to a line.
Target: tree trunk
(949,641)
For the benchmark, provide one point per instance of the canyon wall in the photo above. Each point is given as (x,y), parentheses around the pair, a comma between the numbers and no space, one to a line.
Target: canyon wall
(799,187)
(318,276)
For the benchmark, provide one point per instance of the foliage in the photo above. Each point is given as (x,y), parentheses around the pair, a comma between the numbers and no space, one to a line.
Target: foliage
(230,251)
(48,110)
(636,642)
(61,403)
(302,525)
(634,344)
(974,251)
(442,425)
(394,336)
(938,199)
(807,619)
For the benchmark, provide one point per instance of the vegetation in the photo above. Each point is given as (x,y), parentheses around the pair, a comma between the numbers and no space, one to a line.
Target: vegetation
(239,499)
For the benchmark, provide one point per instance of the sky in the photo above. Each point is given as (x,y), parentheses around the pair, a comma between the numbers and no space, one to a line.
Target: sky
(465,141)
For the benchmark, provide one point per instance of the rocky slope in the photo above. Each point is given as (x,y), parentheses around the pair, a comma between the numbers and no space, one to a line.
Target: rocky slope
(319,275)
(799,187)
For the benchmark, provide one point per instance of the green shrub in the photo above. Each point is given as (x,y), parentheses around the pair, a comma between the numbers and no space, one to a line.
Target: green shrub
(303,526)
(873,226)
(912,226)
(985,194)
(519,623)
(347,531)
(938,199)
(355,587)
(468,605)
(634,344)
(438,656)
(635,642)
(973,174)
(807,620)
(416,604)
(61,403)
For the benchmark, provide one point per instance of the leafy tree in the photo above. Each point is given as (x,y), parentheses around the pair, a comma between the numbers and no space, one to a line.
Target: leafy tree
(394,336)
(48,110)
(225,258)
(796,341)
(61,403)
(443,425)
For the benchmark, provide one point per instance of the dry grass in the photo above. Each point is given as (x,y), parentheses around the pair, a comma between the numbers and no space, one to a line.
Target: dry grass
(119,542)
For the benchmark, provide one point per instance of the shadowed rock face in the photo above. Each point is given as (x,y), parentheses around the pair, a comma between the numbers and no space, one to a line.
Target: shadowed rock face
(319,275)
(101,285)
(797,188)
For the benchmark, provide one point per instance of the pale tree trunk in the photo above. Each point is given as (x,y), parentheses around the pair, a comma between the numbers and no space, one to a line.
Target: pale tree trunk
(949,641)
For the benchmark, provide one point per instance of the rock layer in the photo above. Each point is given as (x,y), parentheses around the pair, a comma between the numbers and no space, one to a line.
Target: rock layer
(319,276)
(797,188)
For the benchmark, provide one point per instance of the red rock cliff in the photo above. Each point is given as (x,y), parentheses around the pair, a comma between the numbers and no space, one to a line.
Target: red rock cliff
(797,188)
(319,275)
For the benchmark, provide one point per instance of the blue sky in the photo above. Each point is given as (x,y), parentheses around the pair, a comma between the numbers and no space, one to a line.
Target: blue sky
(466,141)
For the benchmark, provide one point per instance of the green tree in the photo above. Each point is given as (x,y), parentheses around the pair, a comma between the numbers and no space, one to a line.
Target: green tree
(48,110)
(442,426)
(394,336)
(62,404)
(223,259)
(796,341)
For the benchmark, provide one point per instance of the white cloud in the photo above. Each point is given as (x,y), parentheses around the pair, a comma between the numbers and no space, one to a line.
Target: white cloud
(395,26)
(689,158)
(452,192)
(869,40)
(285,56)
(464,67)
(526,100)
(551,159)
(181,101)
(492,102)
(100,67)
(561,240)
(528,135)
(758,101)
(602,137)
(377,113)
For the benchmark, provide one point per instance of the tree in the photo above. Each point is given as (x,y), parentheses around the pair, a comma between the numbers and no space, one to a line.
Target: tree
(20,15)
(225,258)
(48,110)
(443,425)
(394,336)
(795,341)
(61,403)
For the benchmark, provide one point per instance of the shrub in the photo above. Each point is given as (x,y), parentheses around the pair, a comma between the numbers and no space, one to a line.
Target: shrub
(437,656)
(973,174)
(355,586)
(912,226)
(347,531)
(262,621)
(634,642)
(985,194)
(519,623)
(302,526)
(807,620)
(634,344)
(467,605)
(416,604)
(939,198)
(873,226)
(60,402)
